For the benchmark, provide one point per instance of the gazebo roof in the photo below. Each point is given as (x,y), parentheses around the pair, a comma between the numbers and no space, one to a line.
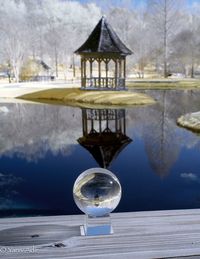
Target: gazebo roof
(103,39)
(104,147)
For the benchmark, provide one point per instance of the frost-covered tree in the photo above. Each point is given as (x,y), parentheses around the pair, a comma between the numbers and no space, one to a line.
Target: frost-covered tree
(49,29)
(67,25)
(142,42)
(165,17)
(186,51)
(159,33)
(14,34)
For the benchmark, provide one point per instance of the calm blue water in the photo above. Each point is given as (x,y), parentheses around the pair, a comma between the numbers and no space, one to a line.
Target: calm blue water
(40,157)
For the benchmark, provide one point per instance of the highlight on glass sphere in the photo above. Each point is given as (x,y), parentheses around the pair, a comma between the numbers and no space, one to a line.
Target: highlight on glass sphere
(97,192)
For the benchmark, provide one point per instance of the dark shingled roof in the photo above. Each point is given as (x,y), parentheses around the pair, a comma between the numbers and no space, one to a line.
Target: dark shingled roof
(103,39)
(104,147)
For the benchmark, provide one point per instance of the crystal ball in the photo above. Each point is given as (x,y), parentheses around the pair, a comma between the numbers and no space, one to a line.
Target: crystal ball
(97,192)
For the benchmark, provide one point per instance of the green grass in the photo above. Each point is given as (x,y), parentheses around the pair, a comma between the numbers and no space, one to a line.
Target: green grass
(77,97)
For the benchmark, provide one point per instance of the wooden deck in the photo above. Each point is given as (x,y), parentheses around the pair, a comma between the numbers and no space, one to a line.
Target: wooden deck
(160,234)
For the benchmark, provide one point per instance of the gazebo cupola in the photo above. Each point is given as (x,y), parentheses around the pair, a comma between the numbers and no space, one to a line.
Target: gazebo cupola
(103,59)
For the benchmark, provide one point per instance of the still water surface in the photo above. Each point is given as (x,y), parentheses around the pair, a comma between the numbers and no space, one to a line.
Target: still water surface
(44,148)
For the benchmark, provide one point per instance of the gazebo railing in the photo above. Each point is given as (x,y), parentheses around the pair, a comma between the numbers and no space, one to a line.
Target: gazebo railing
(104,114)
(104,82)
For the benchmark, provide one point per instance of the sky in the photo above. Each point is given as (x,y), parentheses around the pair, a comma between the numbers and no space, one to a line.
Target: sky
(138,2)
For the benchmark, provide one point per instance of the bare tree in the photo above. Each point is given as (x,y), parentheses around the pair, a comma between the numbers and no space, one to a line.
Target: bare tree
(14,34)
(165,16)
(51,30)
(140,41)
(67,25)
(186,51)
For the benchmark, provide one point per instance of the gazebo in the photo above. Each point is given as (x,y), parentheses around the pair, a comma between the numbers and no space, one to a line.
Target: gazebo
(104,134)
(103,59)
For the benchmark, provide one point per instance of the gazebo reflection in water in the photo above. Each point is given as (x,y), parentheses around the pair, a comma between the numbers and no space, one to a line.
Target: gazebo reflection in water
(104,134)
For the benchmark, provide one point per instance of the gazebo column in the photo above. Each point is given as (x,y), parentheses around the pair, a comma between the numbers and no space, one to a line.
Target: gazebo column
(83,71)
(124,122)
(120,125)
(92,125)
(84,122)
(107,125)
(91,79)
(106,63)
(116,73)
(99,69)
(82,84)
(120,68)
(116,121)
(124,67)
(100,126)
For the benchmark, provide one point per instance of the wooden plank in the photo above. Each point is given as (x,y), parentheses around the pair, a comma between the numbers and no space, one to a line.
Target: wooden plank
(157,234)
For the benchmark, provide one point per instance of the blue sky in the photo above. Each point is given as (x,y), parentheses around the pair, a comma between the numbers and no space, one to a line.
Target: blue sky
(119,2)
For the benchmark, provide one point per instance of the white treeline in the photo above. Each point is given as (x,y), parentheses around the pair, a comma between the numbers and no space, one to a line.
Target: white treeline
(164,35)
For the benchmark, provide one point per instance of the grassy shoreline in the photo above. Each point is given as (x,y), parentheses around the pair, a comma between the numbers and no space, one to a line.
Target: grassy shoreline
(190,121)
(164,84)
(77,97)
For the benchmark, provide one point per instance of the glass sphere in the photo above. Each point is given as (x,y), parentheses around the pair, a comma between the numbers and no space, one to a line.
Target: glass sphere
(97,192)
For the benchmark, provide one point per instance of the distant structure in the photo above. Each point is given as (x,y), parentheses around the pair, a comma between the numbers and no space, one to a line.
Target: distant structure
(104,50)
(104,134)
(44,72)
(36,70)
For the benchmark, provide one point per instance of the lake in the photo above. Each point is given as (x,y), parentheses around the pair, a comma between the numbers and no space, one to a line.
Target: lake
(44,148)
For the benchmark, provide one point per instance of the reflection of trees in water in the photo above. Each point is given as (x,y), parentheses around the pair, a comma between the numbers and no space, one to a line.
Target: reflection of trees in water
(157,125)
(7,189)
(160,141)
(29,131)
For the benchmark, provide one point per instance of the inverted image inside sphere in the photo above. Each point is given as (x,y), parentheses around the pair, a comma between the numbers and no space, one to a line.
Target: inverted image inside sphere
(97,192)
(101,186)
